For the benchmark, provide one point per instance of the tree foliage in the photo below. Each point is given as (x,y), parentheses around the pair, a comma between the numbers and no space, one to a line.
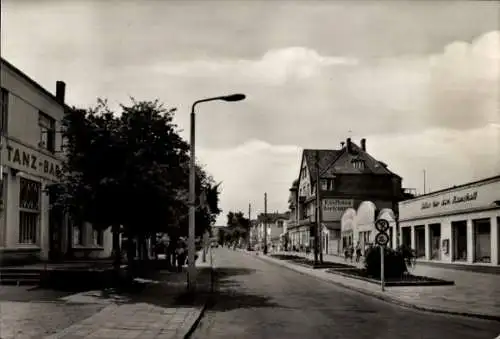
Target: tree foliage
(130,170)
(238,227)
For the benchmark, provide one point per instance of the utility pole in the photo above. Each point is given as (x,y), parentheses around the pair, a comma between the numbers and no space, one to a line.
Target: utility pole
(425,190)
(249,225)
(318,221)
(265,223)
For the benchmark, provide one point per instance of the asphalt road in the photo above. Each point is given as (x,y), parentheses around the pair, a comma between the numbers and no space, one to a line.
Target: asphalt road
(257,299)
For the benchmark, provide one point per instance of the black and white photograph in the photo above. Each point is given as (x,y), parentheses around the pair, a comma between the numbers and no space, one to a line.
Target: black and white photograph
(249,169)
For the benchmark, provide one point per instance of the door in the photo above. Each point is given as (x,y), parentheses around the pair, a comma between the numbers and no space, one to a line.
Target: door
(55,233)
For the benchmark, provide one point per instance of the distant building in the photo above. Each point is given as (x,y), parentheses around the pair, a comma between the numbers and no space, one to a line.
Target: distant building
(30,159)
(348,176)
(457,225)
(275,224)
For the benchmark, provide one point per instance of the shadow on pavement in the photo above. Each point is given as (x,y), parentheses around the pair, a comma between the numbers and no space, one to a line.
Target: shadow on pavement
(225,272)
(230,294)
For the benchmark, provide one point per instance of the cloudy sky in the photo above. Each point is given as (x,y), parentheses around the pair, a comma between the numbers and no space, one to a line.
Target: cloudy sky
(420,80)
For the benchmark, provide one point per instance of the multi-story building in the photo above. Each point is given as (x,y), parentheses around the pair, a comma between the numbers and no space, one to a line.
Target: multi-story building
(30,159)
(275,224)
(458,225)
(347,177)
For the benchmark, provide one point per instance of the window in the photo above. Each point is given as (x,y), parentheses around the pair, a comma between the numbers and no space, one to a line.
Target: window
(78,234)
(4,108)
(97,237)
(358,164)
(47,131)
(327,184)
(29,211)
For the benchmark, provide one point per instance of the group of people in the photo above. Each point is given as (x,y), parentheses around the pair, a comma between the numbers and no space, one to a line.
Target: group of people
(350,252)
(176,252)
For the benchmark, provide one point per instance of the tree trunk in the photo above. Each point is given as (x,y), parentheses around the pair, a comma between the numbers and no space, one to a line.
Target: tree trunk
(131,250)
(116,246)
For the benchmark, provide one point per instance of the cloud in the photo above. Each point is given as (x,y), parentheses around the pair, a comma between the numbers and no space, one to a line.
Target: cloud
(275,67)
(464,83)
(450,157)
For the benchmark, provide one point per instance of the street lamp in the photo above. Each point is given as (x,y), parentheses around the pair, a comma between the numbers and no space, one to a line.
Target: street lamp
(192,183)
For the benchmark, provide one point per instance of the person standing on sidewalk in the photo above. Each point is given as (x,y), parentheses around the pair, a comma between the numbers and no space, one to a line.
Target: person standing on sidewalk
(358,252)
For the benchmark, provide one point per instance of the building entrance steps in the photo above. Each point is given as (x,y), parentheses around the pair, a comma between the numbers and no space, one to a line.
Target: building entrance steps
(474,294)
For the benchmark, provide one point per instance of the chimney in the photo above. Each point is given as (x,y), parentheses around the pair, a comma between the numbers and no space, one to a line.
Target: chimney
(348,145)
(60,91)
(363,144)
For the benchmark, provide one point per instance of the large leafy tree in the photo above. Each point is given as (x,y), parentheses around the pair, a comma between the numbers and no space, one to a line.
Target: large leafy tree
(238,227)
(129,172)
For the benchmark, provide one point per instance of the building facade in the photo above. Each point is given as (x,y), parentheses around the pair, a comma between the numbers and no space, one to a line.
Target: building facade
(30,160)
(274,223)
(458,225)
(347,177)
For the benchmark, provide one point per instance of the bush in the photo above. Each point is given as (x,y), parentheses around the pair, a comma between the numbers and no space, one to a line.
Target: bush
(394,262)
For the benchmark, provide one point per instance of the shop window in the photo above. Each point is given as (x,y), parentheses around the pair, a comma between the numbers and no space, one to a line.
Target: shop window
(459,238)
(482,240)
(4,110)
(47,126)
(29,211)
(97,237)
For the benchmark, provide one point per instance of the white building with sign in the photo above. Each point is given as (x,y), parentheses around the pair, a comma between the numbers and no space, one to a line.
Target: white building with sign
(458,225)
(30,159)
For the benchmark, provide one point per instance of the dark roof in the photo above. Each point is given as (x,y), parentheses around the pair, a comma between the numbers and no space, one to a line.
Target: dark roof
(326,157)
(32,82)
(332,162)
(343,163)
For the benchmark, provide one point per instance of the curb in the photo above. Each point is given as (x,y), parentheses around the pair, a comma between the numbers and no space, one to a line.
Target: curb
(385,298)
(207,302)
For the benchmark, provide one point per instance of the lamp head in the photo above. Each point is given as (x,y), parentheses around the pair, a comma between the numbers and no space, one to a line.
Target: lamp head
(234,97)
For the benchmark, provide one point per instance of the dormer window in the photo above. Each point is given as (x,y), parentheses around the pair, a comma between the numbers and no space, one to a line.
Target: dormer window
(358,164)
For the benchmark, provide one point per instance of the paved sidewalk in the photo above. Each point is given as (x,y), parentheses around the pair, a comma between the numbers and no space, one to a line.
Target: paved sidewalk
(474,294)
(156,313)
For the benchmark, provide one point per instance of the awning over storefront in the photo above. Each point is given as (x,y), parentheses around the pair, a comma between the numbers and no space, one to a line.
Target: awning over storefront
(331,226)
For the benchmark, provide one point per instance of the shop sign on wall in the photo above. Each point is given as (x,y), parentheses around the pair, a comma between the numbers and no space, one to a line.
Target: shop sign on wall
(456,199)
(334,208)
(24,159)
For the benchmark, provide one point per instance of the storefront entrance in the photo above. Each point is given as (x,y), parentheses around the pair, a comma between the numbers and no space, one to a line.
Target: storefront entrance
(420,241)
(435,241)
(459,234)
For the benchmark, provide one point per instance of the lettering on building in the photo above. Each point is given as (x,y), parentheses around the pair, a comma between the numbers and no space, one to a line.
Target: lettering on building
(30,161)
(448,201)
(336,205)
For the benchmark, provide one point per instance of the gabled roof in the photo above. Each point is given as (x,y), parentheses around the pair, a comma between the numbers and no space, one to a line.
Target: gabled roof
(326,157)
(32,82)
(333,162)
(343,163)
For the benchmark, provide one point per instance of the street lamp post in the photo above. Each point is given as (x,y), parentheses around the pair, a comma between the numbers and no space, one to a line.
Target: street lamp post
(192,187)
